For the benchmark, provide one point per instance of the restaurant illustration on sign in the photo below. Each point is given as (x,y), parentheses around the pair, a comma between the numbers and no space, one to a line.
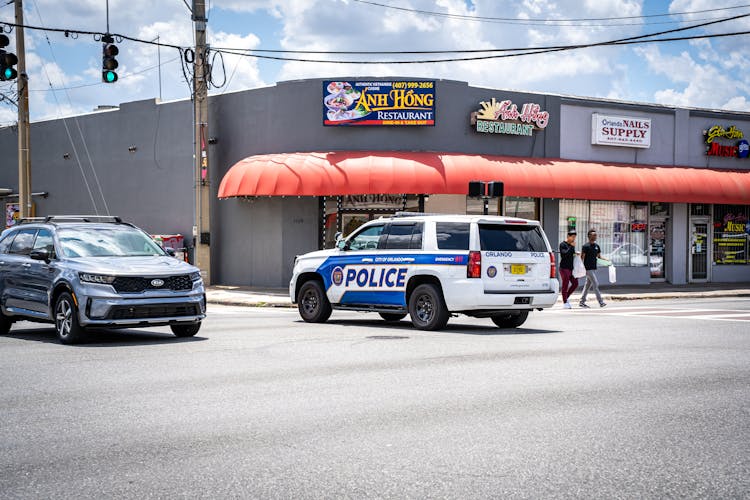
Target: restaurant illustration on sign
(503,117)
(627,131)
(392,103)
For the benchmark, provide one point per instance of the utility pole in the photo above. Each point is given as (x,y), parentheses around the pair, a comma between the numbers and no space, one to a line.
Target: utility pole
(202,228)
(24,143)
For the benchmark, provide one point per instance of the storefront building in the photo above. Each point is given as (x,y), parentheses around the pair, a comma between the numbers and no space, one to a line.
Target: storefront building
(667,189)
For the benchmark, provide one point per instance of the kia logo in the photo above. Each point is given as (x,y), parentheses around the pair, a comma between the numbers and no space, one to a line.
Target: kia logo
(157,283)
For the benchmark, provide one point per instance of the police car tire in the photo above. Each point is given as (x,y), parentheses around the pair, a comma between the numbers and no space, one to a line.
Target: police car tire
(510,320)
(5,324)
(312,303)
(427,308)
(392,316)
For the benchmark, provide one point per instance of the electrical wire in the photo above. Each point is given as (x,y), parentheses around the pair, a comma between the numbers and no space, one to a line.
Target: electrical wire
(120,77)
(515,20)
(78,126)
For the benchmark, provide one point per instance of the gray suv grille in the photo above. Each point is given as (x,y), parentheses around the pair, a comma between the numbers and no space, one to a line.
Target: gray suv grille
(153,311)
(128,284)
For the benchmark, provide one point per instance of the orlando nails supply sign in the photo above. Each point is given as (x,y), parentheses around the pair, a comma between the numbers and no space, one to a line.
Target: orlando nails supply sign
(628,131)
(392,103)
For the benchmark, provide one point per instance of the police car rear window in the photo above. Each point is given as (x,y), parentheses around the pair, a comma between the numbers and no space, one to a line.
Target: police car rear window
(511,238)
(452,235)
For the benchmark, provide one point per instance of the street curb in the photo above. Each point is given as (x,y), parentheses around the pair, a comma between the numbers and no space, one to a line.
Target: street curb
(613,298)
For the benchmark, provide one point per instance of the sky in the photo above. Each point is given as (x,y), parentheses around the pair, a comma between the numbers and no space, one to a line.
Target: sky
(65,72)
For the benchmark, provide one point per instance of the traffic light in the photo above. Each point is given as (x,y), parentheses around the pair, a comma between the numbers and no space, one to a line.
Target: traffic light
(7,61)
(109,63)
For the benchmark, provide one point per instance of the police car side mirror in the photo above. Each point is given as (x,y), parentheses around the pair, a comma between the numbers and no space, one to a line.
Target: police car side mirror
(338,236)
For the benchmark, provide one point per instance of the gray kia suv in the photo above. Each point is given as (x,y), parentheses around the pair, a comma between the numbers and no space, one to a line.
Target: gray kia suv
(89,271)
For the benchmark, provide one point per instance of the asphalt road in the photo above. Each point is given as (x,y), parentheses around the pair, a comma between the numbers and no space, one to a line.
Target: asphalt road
(641,399)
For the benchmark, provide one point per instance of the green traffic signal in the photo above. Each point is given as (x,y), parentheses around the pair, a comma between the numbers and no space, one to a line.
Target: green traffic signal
(9,74)
(110,76)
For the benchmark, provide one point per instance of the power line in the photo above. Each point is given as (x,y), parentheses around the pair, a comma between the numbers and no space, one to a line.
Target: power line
(126,75)
(498,56)
(515,20)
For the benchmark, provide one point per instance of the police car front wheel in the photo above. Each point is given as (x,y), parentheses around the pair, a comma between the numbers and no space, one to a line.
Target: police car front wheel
(427,308)
(312,303)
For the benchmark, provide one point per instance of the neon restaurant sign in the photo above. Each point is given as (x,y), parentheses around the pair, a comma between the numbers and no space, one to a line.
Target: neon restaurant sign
(504,117)
(741,149)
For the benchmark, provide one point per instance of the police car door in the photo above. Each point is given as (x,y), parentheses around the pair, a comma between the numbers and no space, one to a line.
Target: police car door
(400,247)
(515,258)
(352,282)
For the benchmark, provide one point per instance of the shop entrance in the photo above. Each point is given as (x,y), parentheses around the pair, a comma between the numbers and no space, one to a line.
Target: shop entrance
(698,265)
(657,231)
(344,214)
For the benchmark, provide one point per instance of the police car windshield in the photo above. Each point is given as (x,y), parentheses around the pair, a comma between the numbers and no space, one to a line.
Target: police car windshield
(511,238)
(115,241)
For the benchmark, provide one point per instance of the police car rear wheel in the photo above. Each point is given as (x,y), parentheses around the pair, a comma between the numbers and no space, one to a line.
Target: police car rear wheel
(312,303)
(392,316)
(510,320)
(427,308)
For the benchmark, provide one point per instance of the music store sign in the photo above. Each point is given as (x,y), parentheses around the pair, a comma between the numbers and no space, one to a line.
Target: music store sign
(717,138)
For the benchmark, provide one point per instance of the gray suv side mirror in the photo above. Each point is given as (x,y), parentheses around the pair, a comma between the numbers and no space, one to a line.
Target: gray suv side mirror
(41,254)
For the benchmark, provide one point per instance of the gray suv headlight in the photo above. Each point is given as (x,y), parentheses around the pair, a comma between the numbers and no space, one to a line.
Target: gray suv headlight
(196,276)
(96,278)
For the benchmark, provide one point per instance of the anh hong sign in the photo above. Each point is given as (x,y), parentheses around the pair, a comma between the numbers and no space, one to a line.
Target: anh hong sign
(504,117)
(627,131)
(387,103)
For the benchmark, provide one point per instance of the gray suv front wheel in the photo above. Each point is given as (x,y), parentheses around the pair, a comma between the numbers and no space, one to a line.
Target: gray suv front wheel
(69,331)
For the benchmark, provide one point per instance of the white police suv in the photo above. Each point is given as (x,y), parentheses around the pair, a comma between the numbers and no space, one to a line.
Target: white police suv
(431,266)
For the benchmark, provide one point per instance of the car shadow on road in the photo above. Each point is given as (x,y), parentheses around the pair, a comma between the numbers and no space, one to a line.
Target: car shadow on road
(104,338)
(454,328)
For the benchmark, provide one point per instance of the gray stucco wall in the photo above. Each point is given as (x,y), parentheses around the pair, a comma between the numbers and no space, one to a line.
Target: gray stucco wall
(151,187)
(255,243)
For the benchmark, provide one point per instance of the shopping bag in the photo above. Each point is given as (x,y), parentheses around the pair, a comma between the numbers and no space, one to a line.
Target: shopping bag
(612,274)
(579,271)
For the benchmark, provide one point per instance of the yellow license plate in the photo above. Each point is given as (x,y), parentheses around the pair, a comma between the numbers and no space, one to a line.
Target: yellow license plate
(517,269)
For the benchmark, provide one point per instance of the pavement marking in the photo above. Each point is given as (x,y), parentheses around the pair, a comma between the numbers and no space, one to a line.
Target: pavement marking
(661,312)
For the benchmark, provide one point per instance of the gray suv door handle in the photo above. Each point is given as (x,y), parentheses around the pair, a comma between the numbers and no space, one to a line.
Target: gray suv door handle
(26,265)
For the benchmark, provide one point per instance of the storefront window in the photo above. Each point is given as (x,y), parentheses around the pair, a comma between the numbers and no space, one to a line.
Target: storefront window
(621,228)
(345,214)
(475,206)
(523,208)
(731,234)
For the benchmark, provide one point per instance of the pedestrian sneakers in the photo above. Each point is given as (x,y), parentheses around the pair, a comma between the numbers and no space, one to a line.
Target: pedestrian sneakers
(583,305)
(602,304)
(567,305)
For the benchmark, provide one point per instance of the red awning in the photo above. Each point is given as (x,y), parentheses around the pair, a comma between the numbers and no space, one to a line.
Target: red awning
(391,172)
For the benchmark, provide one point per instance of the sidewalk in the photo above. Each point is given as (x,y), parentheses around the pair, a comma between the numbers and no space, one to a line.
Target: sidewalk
(279,297)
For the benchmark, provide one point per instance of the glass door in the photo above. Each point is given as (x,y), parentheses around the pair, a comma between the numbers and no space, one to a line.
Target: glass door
(657,231)
(698,251)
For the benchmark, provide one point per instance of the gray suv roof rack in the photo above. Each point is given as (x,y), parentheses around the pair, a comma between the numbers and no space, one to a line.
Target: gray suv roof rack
(72,218)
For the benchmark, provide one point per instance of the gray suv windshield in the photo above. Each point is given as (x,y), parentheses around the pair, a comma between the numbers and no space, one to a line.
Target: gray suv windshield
(114,241)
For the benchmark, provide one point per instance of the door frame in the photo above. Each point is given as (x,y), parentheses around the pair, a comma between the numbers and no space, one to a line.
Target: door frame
(664,219)
(709,250)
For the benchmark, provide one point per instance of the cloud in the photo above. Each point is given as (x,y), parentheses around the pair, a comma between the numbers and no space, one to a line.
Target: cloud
(696,84)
